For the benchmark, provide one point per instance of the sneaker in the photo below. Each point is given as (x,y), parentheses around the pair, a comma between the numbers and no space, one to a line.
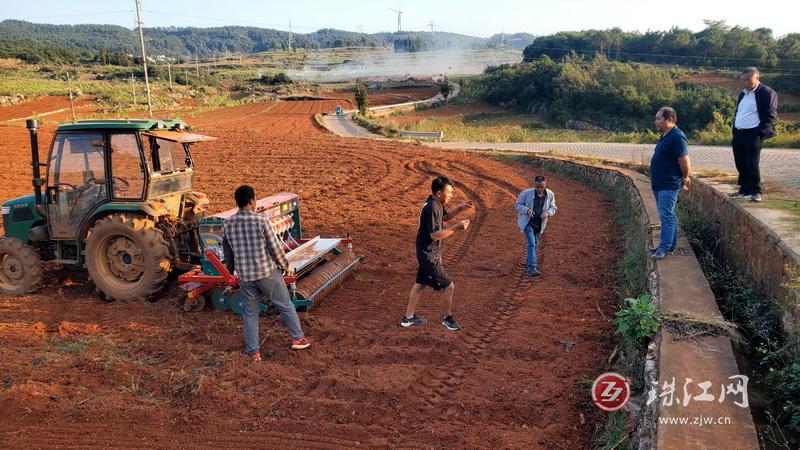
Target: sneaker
(450,323)
(739,194)
(655,249)
(255,356)
(414,320)
(301,343)
(659,254)
(755,198)
(534,272)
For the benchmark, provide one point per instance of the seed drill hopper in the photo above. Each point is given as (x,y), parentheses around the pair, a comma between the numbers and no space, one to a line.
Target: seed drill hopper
(317,265)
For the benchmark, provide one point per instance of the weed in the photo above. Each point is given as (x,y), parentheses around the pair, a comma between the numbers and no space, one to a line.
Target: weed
(76,347)
(638,320)
(776,355)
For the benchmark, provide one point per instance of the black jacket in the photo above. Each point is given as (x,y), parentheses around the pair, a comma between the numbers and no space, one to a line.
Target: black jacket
(767,105)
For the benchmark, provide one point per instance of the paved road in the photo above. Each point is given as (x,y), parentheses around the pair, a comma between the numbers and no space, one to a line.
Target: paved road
(778,165)
(345,127)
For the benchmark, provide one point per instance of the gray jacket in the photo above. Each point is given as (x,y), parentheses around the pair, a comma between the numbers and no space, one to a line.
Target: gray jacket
(525,201)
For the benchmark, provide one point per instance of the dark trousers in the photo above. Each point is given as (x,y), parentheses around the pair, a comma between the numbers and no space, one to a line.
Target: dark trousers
(747,155)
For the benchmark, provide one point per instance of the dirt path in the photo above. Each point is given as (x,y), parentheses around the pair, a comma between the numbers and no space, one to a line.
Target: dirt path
(77,371)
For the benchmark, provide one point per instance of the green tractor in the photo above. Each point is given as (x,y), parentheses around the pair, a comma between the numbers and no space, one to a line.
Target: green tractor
(116,198)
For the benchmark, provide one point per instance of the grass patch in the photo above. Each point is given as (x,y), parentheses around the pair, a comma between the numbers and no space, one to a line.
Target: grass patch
(509,127)
(76,347)
(504,127)
(789,206)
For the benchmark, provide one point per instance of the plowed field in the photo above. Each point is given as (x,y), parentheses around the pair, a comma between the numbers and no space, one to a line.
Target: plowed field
(80,372)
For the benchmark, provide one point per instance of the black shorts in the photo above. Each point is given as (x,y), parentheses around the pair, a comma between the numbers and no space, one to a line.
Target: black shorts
(433,274)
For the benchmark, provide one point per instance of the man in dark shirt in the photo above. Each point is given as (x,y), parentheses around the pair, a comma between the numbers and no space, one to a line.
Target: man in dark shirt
(669,171)
(431,273)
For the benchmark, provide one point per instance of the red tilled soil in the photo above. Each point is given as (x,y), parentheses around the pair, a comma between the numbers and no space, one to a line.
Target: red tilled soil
(447,111)
(77,371)
(50,105)
(390,96)
(735,86)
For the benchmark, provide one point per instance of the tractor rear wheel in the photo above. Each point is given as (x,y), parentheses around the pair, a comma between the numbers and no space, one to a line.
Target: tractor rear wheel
(127,257)
(21,268)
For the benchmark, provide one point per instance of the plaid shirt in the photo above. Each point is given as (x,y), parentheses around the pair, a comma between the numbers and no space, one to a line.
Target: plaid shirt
(256,250)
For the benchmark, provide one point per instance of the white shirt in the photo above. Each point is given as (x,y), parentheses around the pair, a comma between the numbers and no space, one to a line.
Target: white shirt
(747,113)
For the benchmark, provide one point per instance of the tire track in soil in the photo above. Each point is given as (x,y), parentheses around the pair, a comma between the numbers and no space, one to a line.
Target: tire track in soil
(510,188)
(364,316)
(448,378)
(446,381)
(52,437)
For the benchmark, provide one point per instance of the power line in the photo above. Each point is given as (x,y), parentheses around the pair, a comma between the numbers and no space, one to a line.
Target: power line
(93,13)
(217,19)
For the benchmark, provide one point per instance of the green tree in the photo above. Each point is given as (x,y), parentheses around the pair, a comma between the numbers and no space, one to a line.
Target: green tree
(361,98)
(445,87)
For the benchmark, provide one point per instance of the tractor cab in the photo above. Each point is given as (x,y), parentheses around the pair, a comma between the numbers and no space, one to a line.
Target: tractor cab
(97,166)
(110,189)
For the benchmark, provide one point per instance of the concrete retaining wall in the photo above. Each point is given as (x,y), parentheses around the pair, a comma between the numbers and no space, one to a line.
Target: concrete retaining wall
(749,246)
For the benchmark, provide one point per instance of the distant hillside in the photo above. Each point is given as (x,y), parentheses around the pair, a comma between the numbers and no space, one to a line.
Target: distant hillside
(718,45)
(205,42)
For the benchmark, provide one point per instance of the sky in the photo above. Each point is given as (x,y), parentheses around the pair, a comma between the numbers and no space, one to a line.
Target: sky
(477,18)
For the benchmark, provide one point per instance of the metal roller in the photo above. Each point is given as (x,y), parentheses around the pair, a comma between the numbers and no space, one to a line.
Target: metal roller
(327,277)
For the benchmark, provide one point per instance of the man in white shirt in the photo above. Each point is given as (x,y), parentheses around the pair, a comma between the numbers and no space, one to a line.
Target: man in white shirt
(754,121)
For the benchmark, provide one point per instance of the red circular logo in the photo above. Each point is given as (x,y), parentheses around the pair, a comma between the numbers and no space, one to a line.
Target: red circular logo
(610,391)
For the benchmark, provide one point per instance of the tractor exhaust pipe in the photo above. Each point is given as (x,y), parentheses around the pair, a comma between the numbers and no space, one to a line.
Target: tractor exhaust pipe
(38,182)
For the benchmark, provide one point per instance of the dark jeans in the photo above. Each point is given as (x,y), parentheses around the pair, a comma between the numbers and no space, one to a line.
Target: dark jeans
(747,155)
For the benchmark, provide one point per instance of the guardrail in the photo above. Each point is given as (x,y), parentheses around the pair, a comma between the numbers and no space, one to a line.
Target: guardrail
(438,135)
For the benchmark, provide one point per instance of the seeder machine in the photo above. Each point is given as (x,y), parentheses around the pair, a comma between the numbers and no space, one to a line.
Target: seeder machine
(317,265)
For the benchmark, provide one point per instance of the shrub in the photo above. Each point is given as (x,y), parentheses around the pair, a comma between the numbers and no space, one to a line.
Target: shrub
(276,79)
(638,320)
(361,98)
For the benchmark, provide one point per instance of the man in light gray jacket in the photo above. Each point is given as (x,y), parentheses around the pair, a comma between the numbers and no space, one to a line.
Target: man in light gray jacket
(534,206)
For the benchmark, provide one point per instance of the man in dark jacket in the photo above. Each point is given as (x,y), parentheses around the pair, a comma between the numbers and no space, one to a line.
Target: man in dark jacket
(754,121)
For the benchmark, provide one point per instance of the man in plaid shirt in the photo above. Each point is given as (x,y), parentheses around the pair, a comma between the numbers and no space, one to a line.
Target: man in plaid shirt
(259,263)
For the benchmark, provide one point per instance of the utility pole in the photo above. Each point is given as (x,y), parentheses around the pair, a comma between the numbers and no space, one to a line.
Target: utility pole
(169,72)
(144,59)
(133,88)
(71,102)
(290,34)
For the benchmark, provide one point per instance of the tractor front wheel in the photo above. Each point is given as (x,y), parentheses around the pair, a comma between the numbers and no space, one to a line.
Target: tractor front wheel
(21,268)
(127,257)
